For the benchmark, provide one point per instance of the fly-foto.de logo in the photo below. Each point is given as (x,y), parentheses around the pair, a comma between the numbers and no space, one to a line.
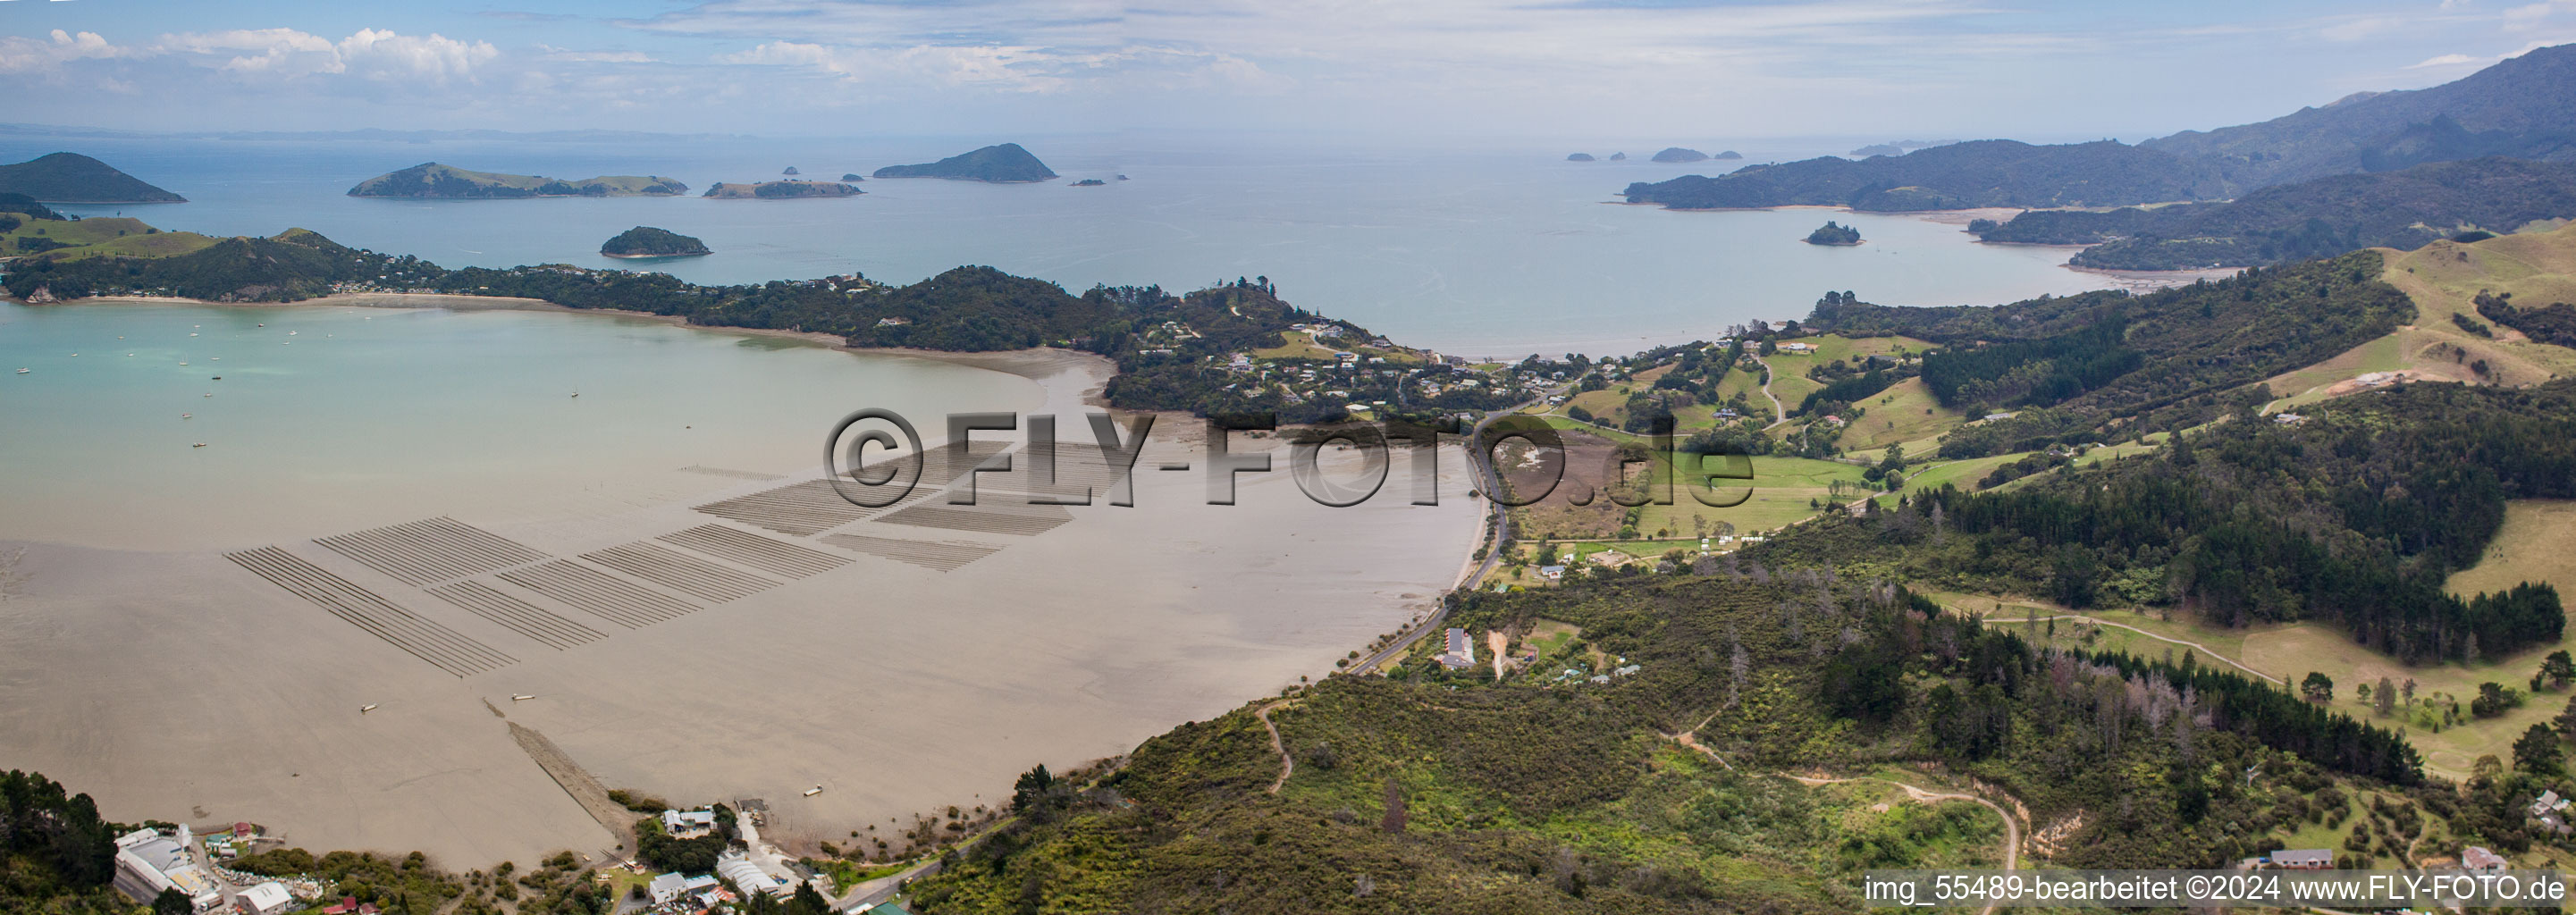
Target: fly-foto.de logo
(1050,470)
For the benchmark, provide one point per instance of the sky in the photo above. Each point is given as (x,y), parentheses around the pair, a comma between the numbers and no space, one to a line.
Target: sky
(1422,70)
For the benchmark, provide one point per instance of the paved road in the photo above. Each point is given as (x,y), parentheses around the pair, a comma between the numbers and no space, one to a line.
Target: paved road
(871,892)
(1486,484)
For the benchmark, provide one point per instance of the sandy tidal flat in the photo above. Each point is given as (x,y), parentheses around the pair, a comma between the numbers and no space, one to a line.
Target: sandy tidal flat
(173,682)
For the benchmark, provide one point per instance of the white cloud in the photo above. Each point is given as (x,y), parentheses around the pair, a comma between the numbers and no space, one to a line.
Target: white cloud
(2446,60)
(567,55)
(371,54)
(24,55)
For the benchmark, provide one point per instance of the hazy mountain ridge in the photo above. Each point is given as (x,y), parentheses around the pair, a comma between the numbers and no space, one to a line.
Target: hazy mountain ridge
(2523,107)
(2319,218)
(1983,173)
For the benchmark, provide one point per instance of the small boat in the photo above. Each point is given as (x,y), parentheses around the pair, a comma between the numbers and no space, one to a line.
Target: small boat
(198,445)
(520,697)
(263,325)
(187,416)
(183,363)
(810,792)
(210,393)
(24,371)
(192,335)
(369,707)
(290,333)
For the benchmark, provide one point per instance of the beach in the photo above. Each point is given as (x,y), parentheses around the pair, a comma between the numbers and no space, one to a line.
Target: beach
(902,660)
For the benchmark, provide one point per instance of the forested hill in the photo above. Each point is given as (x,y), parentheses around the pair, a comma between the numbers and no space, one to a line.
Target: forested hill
(2354,515)
(74,178)
(1437,791)
(2324,217)
(1985,173)
(2105,365)
(2523,107)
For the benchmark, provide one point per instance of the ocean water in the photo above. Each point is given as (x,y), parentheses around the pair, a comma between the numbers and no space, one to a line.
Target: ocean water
(330,418)
(1481,252)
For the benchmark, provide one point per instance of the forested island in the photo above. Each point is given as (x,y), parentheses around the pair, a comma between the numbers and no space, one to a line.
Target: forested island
(2323,217)
(1005,163)
(74,178)
(1833,234)
(646,241)
(1578,157)
(780,190)
(430,180)
(1987,173)
(1090,182)
(1678,154)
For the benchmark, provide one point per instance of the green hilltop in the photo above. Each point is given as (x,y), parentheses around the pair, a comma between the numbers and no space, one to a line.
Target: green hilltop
(447,182)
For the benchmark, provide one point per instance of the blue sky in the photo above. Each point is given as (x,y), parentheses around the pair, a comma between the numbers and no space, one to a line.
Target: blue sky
(1430,70)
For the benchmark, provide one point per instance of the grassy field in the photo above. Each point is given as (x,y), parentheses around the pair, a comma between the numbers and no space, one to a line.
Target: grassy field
(74,232)
(2538,543)
(1781,488)
(2442,279)
(1748,382)
(1905,412)
(1298,345)
(164,244)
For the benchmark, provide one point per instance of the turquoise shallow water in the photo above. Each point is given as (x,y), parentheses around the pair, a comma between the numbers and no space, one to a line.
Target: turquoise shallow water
(333,418)
(1483,252)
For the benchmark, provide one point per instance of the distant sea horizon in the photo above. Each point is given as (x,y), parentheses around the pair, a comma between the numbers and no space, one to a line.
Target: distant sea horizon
(1490,252)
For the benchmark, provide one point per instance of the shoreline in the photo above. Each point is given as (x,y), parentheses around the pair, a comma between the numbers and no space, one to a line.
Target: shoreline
(450,302)
(2132,280)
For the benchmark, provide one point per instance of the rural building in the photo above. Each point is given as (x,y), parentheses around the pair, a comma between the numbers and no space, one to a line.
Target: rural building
(1551,573)
(688,824)
(1460,653)
(267,898)
(2303,859)
(2478,860)
(148,862)
(748,877)
(666,887)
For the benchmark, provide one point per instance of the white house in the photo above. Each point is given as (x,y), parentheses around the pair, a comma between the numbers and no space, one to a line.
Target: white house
(666,887)
(1461,653)
(267,898)
(688,824)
